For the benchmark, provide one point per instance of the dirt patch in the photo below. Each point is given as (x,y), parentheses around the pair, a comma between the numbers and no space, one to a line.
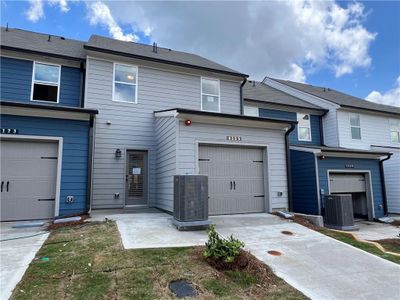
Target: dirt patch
(305,222)
(274,253)
(395,223)
(244,262)
(53,226)
(391,245)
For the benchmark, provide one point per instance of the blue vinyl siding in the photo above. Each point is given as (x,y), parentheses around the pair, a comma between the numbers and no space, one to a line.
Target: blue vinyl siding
(16,82)
(304,182)
(293,137)
(74,174)
(336,163)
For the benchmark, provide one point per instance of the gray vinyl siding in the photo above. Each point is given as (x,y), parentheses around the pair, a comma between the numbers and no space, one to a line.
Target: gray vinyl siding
(133,125)
(165,131)
(190,136)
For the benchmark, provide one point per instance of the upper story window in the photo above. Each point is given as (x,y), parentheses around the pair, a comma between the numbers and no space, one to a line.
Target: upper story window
(355,126)
(125,83)
(250,111)
(210,98)
(394,131)
(304,127)
(46,82)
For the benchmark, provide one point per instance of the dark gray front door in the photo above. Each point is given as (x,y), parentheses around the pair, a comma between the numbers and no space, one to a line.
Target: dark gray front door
(136,178)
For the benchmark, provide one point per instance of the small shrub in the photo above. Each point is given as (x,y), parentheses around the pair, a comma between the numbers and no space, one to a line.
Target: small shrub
(218,248)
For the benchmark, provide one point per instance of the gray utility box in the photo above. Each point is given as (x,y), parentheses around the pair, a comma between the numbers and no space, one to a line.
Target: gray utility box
(339,212)
(191,202)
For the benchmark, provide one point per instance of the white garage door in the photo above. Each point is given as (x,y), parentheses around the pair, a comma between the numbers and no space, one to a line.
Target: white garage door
(235,178)
(28,180)
(347,183)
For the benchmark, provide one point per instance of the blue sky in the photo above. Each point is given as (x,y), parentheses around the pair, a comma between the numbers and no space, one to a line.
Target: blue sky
(365,46)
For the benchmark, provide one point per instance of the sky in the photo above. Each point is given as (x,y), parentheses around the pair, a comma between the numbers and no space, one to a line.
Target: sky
(350,46)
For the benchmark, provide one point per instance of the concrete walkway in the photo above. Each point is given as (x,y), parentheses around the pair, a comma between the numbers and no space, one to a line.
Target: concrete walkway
(16,255)
(373,231)
(318,266)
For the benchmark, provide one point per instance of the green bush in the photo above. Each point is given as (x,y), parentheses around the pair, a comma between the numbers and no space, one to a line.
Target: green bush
(219,248)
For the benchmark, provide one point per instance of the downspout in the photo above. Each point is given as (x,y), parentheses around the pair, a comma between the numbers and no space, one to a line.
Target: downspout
(288,166)
(385,206)
(321,129)
(83,75)
(241,96)
(90,164)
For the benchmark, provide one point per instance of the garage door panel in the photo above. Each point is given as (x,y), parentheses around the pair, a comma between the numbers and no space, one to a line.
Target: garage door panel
(241,166)
(347,183)
(30,169)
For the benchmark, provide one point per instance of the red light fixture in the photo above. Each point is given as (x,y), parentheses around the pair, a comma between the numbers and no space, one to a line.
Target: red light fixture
(188,122)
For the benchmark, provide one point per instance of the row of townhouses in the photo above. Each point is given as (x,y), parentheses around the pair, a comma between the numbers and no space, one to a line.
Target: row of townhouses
(107,124)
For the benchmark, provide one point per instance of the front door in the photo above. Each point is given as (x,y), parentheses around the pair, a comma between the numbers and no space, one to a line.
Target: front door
(136,178)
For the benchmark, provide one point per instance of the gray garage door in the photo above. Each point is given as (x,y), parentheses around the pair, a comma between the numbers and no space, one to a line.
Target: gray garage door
(347,183)
(28,180)
(235,177)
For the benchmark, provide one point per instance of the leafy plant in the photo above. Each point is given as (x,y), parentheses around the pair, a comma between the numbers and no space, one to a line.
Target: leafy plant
(219,248)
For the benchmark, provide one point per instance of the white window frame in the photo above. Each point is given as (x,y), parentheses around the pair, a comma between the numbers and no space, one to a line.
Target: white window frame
(351,126)
(298,127)
(390,130)
(46,82)
(201,93)
(121,82)
(251,108)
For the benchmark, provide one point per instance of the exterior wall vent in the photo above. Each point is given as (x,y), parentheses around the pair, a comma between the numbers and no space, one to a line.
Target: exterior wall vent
(339,212)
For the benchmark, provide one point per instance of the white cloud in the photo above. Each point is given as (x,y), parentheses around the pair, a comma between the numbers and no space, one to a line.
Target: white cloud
(62,4)
(286,39)
(99,13)
(35,11)
(391,97)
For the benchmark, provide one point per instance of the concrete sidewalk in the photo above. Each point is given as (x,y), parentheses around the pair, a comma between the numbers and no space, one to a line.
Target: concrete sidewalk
(17,254)
(317,265)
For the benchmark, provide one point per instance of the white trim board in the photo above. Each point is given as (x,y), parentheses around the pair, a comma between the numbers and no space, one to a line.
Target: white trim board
(60,142)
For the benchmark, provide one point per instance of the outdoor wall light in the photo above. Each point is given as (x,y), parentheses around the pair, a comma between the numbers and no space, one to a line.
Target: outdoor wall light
(322,157)
(188,122)
(118,153)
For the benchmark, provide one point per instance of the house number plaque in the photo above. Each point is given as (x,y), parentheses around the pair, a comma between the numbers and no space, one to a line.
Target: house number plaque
(9,131)
(234,138)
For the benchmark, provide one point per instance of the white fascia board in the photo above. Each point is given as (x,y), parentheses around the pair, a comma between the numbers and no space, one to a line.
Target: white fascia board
(311,150)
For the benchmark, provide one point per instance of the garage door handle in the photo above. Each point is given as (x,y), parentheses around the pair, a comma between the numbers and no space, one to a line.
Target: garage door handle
(2,184)
(8,183)
(231,185)
(234,185)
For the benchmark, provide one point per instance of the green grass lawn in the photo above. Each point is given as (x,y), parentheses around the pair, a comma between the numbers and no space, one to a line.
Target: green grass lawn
(349,239)
(89,262)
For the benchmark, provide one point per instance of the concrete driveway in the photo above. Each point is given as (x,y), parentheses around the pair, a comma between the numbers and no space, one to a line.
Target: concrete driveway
(17,254)
(318,266)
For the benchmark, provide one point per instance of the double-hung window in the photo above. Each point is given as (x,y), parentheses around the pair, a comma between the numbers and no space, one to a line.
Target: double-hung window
(210,98)
(46,82)
(355,126)
(125,83)
(304,127)
(394,131)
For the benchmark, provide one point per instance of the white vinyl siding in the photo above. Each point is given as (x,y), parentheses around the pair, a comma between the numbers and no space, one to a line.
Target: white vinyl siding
(210,95)
(355,126)
(303,127)
(133,126)
(375,131)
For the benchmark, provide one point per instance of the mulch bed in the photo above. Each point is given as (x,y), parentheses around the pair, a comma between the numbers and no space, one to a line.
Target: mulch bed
(244,262)
(53,226)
